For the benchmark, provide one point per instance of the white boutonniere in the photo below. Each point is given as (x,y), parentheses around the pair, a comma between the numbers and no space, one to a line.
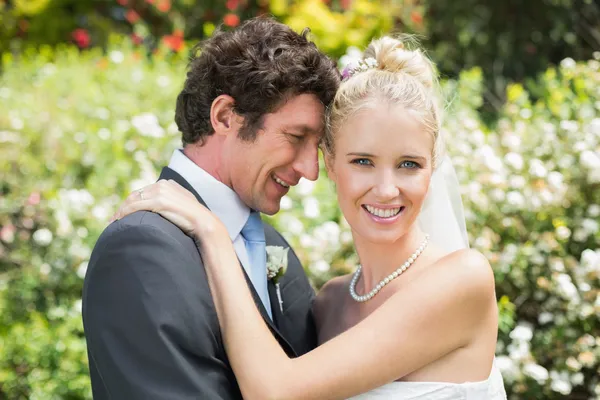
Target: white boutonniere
(277,262)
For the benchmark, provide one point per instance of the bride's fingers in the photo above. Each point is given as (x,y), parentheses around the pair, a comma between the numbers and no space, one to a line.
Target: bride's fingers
(161,196)
(141,205)
(133,197)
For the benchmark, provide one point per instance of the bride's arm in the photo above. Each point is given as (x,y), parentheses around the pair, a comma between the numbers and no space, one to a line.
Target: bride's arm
(419,324)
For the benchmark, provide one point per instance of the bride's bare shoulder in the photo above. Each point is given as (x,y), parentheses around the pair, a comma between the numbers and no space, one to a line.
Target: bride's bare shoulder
(469,267)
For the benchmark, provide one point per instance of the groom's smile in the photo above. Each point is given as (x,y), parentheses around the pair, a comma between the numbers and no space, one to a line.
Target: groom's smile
(284,151)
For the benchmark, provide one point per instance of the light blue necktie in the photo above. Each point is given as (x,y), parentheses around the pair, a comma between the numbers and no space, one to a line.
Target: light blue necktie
(254,238)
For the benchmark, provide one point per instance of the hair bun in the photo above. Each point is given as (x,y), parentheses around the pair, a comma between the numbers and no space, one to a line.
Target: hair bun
(393,55)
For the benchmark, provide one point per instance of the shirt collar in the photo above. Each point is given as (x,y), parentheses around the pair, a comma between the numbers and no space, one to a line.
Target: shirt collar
(220,198)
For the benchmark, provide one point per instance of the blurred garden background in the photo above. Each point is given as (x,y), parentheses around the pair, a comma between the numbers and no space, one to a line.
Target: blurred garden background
(87,99)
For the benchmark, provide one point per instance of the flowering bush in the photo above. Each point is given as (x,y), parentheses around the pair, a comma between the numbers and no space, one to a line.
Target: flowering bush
(79,131)
(168,23)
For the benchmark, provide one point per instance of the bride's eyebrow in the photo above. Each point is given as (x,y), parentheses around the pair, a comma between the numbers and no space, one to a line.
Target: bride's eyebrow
(413,157)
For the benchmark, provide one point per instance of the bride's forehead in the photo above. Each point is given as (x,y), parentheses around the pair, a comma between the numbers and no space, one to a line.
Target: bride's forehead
(392,140)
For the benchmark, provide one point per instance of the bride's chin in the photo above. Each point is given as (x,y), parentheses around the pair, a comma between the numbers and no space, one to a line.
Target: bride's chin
(384,238)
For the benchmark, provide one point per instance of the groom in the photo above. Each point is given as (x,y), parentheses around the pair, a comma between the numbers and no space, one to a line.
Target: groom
(251,116)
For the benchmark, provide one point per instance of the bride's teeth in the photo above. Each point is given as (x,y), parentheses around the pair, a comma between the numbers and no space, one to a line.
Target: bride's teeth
(387,213)
(282,183)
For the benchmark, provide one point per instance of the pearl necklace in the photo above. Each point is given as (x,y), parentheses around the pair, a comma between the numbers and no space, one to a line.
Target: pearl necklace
(387,279)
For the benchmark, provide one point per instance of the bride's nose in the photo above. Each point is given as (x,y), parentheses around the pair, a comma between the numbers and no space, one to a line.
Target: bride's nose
(386,185)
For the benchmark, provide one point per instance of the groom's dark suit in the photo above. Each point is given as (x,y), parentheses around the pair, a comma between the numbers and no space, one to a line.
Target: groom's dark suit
(150,323)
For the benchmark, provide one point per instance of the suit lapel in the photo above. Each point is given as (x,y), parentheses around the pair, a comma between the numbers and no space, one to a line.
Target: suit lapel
(168,173)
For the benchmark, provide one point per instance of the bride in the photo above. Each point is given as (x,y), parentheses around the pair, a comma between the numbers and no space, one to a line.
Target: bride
(418,319)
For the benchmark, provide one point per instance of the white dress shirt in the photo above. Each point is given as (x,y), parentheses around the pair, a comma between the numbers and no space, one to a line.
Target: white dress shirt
(225,204)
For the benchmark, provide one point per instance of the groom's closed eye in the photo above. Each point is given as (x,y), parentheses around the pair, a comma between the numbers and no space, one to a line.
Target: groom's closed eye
(295,137)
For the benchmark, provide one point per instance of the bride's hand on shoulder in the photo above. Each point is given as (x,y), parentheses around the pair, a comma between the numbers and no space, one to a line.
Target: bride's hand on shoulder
(178,205)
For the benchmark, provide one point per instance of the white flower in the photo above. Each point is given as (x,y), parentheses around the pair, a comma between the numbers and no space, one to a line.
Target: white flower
(562,232)
(286,202)
(569,126)
(305,187)
(104,134)
(101,212)
(589,159)
(48,69)
(594,210)
(514,160)
(519,350)
(517,182)
(515,199)
(568,63)
(277,261)
(311,207)
(566,288)
(577,378)
(497,194)
(5,93)
(147,125)
(566,161)
(327,235)
(594,126)
(545,317)
(116,56)
(511,141)
(507,367)
(293,224)
(537,372)
(82,269)
(594,175)
(65,227)
(580,235)
(320,266)
(590,225)
(555,179)
(590,259)
(352,56)
(16,123)
(43,237)
(45,269)
(537,168)
(137,75)
(522,332)
(163,81)
(77,306)
(525,113)
(560,383)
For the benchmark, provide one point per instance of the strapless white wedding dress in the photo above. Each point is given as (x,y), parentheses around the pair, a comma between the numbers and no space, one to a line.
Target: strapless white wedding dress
(490,389)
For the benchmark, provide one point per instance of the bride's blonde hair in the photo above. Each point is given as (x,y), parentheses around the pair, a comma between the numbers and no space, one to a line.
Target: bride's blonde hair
(404,75)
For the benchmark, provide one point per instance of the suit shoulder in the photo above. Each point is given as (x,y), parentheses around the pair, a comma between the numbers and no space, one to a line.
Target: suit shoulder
(143,224)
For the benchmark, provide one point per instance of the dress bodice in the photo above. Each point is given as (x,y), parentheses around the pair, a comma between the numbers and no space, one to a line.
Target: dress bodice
(490,389)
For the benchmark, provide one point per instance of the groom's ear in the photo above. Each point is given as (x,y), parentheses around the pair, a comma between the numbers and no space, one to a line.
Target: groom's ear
(223,118)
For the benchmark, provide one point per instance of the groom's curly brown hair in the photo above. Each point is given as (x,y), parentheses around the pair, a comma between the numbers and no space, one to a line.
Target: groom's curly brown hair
(260,64)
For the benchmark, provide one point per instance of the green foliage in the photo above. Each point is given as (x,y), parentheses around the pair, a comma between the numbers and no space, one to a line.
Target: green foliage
(80,130)
(510,40)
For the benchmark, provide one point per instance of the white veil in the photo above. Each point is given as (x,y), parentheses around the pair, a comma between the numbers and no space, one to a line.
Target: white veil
(442,215)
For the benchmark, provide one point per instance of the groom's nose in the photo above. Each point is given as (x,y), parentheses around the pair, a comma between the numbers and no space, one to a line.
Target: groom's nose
(307,162)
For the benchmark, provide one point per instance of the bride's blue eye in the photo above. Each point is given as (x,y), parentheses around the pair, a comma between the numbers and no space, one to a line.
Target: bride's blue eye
(361,161)
(409,165)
